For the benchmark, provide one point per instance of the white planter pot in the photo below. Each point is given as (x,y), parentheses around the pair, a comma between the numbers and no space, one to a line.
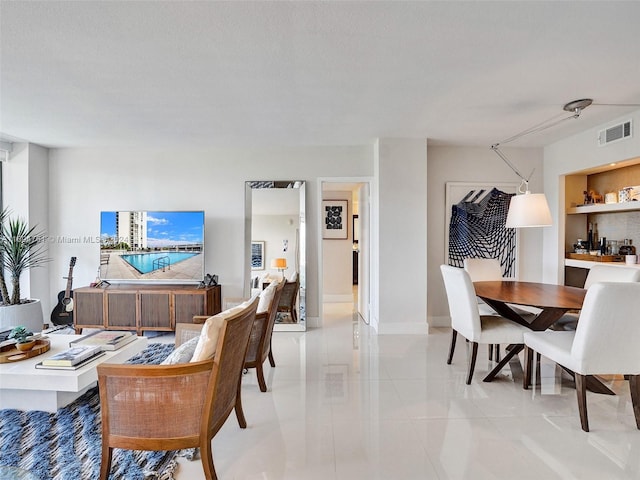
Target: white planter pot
(27,314)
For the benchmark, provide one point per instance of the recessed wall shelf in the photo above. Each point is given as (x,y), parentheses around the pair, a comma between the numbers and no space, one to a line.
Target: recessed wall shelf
(609,220)
(604,207)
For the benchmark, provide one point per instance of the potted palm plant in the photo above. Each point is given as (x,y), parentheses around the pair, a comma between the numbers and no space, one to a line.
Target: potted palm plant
(21,248)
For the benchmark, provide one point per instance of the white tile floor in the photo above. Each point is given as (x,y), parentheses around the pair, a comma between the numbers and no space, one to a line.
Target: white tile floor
(347,405)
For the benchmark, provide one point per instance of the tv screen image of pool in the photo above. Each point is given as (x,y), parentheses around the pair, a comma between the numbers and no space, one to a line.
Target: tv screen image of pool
(152,246)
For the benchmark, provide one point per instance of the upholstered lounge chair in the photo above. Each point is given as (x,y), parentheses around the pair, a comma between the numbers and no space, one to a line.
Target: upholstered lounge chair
(288,298)
(171,407)
(259,348)
(260,342)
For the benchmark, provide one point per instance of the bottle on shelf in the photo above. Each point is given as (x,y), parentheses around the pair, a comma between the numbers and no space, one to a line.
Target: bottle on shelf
(97,281)
(627,248)
(590,244)
(603,246)
(614,247)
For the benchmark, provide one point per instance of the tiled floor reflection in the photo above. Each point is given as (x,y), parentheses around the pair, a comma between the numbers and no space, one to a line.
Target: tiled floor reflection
(347,405)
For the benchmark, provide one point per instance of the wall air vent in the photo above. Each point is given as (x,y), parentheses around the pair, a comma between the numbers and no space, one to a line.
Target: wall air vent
(614,133)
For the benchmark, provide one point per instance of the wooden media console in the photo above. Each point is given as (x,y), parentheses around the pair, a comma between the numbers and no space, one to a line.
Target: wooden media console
(140,307)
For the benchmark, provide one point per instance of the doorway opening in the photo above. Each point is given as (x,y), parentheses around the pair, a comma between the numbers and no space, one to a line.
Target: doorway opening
(345,244)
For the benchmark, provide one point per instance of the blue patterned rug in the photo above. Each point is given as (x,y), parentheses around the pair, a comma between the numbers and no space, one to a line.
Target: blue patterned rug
(66,445)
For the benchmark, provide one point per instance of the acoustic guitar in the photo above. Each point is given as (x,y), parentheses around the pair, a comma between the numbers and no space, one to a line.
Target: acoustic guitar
(62,313)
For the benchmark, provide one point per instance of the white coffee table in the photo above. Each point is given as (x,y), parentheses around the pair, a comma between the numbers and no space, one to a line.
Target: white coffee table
(25,387)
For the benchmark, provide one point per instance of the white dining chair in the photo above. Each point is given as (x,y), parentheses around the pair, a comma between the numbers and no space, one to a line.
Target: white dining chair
(467,321)
(599,273)
(605,341)
(611,273)
(484,270)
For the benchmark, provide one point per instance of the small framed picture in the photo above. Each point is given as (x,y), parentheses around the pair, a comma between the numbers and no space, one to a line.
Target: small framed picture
(257,255)
(356,229)
(335,217)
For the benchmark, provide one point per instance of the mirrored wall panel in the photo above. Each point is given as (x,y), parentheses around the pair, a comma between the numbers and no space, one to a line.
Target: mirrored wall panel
(275,246)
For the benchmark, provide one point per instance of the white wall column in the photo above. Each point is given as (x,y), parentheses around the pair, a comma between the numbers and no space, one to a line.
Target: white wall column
(25,181)
(401,197)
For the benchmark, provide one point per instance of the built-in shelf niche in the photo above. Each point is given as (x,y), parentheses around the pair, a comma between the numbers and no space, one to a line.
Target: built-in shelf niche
(615,221)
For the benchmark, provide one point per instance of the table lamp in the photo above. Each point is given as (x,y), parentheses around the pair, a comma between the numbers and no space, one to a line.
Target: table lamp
(280,264)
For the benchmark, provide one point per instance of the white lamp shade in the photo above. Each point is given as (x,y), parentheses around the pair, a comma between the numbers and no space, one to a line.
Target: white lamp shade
(528,210)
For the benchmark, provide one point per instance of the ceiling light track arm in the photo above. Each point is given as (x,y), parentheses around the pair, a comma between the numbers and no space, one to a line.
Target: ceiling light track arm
(540,127)
(525,180)
(575,107)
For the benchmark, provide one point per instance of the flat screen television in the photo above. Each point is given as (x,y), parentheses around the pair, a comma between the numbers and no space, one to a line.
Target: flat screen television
(152,246)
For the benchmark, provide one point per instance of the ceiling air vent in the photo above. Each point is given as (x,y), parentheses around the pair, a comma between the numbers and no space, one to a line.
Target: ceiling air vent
(615,133)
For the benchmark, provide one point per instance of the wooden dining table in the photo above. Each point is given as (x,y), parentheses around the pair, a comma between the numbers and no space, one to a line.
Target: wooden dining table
(553,301)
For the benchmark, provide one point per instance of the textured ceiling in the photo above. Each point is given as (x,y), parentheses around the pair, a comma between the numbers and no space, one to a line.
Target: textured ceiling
(256,74)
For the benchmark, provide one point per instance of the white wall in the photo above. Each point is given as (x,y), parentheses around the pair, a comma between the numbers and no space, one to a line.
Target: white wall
(572,155)
(457,164)
(401,198)
(84,182)
(337,256)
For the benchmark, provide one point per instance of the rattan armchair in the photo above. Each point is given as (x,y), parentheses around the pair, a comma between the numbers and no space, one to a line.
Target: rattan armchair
(187,331)
(171,407)
(287,303)
(260,342)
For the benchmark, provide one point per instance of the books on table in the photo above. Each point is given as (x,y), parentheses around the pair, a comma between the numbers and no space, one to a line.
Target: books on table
(107,339)
(99,354)
(72,357)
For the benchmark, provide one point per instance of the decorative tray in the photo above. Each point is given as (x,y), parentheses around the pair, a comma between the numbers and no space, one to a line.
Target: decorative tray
(9,353)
